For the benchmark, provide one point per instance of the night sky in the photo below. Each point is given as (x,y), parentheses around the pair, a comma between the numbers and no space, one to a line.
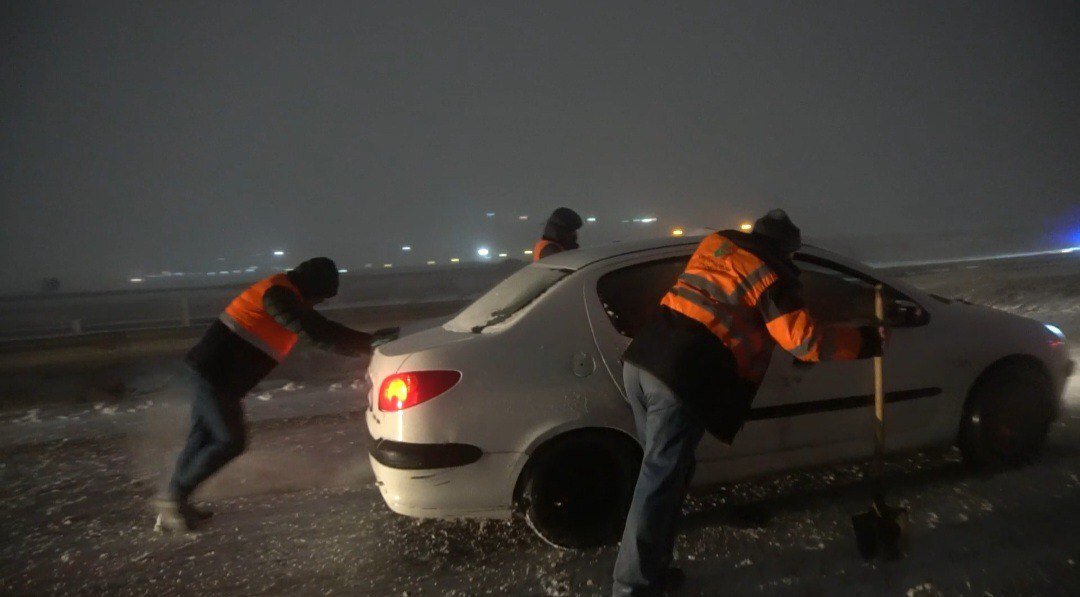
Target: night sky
(140,136)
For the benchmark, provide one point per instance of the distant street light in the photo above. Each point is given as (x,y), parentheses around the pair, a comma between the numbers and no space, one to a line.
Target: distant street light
(431,263)
(136,280)
(677,232)
(343,271)
(483,252)
(279,253)
(746,226)
(406,248)
(523,217)
(502,254)
(591,219)
(490,214)
(528,251)
(388,265)
(454,260)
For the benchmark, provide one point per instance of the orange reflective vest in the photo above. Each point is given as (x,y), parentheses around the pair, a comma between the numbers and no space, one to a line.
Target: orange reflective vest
(733,293)
(246,317)
(542,244)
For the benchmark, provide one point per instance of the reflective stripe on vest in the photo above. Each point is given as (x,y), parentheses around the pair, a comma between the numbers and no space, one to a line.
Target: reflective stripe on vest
(543,244)
(247,317)
(722,287)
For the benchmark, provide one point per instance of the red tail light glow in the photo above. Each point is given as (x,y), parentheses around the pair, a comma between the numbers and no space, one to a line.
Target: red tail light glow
(403,390)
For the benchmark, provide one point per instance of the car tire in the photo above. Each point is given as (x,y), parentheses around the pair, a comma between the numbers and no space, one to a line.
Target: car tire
(576,491)
(1007,416)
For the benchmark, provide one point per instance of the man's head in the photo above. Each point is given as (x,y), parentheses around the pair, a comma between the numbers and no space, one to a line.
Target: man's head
(317,279)
(777,229)
(562,227)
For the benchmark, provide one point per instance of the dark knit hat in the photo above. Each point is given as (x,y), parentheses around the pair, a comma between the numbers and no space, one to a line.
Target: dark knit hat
(565,218)
(777,228)
(316,278)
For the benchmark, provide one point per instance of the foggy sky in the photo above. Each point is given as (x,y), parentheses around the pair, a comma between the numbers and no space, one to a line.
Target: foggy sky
(142,136)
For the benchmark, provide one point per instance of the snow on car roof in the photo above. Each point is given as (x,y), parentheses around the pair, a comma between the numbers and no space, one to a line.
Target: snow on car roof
(575,260)
(584,256)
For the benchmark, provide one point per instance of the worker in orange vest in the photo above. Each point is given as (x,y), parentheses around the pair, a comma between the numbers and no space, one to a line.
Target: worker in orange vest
(560,234)
(254,334)
(696,366)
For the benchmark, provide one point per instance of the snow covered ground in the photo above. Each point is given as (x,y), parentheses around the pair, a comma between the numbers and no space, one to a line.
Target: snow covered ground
(298,514)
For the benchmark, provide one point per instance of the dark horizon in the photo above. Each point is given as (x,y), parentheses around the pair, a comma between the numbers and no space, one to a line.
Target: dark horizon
(144,138)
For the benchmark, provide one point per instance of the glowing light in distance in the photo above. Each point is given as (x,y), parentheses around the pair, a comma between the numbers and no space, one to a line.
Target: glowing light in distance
(454,260)
(528,251)
(502,254)
(483,252)
(276,254)
(406,248)
(388,265)
(523,217)
(136,280)
(677,232)
(431,263)
(343,271)
(746,226)
(590,219)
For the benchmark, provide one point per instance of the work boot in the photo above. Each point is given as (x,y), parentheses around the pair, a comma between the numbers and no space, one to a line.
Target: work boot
(193,513)
(170,517)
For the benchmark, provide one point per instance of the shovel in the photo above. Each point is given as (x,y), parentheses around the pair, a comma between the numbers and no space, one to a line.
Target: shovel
(883,529)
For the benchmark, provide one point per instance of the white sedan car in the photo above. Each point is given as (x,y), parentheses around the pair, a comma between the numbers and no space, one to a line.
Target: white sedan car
(516,404)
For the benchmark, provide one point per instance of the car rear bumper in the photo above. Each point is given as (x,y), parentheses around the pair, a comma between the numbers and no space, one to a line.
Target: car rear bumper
(412,457)
(481,489)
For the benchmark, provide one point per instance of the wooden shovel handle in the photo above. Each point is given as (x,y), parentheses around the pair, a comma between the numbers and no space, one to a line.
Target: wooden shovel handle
(879,385)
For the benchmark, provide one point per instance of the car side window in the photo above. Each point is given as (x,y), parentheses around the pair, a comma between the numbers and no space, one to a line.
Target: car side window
(631,294)
(834,294)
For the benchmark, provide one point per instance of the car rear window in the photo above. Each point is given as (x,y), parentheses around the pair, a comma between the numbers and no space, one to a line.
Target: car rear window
(507,298)
(630,295)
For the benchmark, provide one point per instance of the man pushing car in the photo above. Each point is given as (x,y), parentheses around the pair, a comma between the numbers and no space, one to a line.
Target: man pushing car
(255,333)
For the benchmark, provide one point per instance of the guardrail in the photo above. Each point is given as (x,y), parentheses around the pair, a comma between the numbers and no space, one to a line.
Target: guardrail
(35,317)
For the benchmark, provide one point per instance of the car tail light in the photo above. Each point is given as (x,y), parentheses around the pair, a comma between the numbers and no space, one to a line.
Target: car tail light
(403,390)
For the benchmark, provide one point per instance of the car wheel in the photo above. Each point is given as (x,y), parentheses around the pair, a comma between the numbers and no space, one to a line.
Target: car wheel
(576,492)
(1007,416)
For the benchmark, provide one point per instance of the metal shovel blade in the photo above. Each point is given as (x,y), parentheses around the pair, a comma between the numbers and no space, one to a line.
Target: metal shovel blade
(882,530)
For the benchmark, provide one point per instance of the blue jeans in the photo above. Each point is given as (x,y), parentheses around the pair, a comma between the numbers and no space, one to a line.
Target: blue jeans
(670,437)
(217,436)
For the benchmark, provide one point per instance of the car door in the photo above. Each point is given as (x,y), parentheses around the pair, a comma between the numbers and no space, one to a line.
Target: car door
(619,299)
(824,409)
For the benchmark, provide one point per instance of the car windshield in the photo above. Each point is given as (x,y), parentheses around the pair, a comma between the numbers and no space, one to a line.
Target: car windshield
(510,296)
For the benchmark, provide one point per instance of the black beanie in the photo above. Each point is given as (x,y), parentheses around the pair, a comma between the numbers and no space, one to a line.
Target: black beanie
(778,229)
(566,218)
(316,278)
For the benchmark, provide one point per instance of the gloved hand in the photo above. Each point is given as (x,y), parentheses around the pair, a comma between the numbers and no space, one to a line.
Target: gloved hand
(380,337)
(874,339)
